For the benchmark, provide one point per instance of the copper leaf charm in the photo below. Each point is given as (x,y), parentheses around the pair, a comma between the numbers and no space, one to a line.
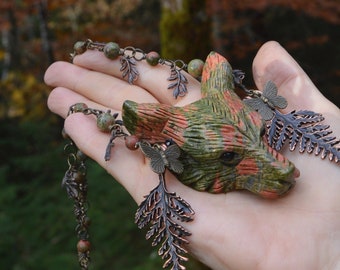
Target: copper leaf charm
(159,209)
(129,69)
(303,128)
(179,84)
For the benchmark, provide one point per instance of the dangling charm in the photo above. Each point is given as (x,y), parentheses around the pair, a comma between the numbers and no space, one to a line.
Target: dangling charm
(266,102)
(106,122)
(161,208)
(130,56)
(75,184)
(301,128)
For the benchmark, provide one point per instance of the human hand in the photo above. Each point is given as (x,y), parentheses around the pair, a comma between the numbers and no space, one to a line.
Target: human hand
(236,230)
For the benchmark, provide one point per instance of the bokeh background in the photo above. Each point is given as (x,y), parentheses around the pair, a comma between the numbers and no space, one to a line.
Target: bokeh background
(36,217)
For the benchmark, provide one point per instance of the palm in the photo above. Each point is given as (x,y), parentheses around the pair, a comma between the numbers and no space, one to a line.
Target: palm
(261,231)
(231,231)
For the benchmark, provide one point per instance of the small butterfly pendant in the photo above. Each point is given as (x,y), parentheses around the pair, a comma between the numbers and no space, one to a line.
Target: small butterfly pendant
(266,102)
(161,158)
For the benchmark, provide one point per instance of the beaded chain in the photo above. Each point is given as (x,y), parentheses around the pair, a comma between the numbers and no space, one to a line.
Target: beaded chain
(130,55)
(298,128)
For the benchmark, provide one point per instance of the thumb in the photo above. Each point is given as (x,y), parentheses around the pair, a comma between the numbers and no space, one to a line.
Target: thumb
(273,62)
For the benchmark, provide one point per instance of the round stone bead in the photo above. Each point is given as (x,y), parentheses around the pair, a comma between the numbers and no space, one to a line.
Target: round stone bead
(131,142)
(195,68)
(79,107)
(79,47)
(80,155)
(105,121)
(152,58)
(111,50)
(79,177)
(83,246)
(86,222)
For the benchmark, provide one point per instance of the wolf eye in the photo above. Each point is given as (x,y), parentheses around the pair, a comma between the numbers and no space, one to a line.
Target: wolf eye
(230,158)
(227,156)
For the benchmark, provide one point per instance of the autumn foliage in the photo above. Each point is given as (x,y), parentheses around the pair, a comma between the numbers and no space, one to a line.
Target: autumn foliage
(36,229)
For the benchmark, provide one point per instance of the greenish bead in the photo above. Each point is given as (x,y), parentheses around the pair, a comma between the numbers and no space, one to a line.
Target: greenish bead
(79,47)
(195,68)
(86,222)
(111,50)
(80,155)
(105,121)
(152,58)
(79,107)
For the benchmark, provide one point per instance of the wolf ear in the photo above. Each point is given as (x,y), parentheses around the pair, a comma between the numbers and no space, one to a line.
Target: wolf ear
(217,75)
(218,82)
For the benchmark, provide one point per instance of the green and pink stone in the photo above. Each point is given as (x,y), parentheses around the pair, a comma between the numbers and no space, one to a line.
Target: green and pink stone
(221,138)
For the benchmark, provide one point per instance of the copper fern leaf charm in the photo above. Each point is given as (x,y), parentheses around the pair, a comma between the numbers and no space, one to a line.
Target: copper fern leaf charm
(129,69)
(303,128)
(161,209)
(179,82)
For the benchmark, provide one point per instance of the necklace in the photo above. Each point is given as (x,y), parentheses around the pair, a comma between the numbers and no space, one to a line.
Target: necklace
(217,144)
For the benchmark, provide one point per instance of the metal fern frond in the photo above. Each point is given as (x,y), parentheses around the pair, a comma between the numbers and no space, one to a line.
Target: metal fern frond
(159,209)
(303,129)
(179,82)
(129,69)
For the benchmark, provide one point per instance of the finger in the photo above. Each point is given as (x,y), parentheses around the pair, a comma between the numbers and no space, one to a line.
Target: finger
(152,78)
(82,129)
(61,99)
(126,166)
(129,168)
(272,62)
(98,87)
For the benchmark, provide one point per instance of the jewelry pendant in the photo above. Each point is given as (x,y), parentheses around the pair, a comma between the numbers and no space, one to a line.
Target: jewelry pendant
(214,144)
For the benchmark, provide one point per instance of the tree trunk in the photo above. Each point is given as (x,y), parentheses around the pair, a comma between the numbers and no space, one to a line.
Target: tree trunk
(184,29)
(46,44)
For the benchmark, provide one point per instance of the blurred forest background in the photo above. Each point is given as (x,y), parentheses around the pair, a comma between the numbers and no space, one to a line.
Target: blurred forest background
(36,217)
